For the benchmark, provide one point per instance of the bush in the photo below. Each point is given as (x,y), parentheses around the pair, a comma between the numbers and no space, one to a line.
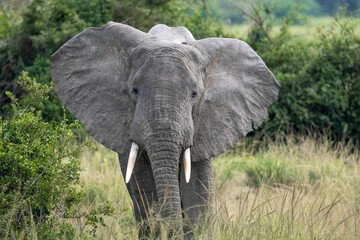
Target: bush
(39,171)
(320,80)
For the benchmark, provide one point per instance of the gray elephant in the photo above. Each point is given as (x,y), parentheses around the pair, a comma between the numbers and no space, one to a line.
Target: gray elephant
(167,104)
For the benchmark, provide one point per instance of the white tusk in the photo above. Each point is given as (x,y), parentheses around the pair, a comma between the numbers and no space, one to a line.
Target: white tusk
(187,165)
(131,162)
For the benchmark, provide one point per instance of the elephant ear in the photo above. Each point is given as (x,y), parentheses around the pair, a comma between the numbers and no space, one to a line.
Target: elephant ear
(90,74)
(238,90)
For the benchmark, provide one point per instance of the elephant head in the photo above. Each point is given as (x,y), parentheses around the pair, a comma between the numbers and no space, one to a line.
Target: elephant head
(163,92)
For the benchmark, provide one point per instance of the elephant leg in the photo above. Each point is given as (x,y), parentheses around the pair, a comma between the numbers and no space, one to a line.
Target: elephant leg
(142,191)
(197,196)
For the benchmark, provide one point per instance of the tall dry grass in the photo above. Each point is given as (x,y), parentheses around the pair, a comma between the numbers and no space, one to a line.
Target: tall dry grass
(305,188)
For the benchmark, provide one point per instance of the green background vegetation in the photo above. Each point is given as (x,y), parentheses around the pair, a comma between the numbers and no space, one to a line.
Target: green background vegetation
(294,178)
(227,11)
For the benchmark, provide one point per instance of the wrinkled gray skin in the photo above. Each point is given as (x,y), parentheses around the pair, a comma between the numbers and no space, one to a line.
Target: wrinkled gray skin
(167,92)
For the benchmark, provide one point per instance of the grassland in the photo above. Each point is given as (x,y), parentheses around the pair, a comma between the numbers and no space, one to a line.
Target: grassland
(305,31)
(304,189)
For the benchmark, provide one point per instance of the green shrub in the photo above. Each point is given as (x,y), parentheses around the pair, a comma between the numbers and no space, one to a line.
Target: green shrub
(39,169)
(325,92)
(320,80)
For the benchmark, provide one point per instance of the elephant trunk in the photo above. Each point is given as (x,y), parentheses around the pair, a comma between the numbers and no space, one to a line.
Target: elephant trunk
(163,127)
(164,163)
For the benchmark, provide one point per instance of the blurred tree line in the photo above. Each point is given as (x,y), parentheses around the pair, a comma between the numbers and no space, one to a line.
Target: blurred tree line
(320,78)
(225,11)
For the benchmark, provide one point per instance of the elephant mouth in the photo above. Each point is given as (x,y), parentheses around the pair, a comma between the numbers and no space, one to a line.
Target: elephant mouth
(134,153)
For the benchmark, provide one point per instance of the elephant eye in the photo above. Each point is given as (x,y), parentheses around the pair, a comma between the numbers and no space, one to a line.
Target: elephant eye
(135,90)
(194,94)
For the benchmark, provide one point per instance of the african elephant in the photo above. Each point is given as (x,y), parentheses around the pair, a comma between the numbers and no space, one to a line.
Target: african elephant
(172,102)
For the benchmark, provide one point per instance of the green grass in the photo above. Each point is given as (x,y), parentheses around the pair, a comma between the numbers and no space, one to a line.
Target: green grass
(304,189)
(304,31)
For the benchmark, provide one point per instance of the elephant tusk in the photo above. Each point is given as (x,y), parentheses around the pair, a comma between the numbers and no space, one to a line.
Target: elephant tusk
(131,162)
(187,165)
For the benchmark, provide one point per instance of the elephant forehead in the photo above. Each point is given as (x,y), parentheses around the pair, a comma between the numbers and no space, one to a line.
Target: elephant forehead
(160,49)
(162,52)
(166,69)
(171,61)
(150,51)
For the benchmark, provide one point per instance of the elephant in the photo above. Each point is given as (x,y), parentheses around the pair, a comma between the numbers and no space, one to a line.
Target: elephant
(167,104)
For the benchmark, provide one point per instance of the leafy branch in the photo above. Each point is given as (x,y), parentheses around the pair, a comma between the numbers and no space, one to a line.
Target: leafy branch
(256,16)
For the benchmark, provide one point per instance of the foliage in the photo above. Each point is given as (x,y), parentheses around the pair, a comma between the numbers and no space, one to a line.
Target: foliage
(305,7)
(331,6)
(39,170)
(225,11)
(320,80)
(93,220)
(41,27)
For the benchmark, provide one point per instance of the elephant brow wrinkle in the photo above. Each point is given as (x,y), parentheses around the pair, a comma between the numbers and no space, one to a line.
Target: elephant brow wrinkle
(166,52)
